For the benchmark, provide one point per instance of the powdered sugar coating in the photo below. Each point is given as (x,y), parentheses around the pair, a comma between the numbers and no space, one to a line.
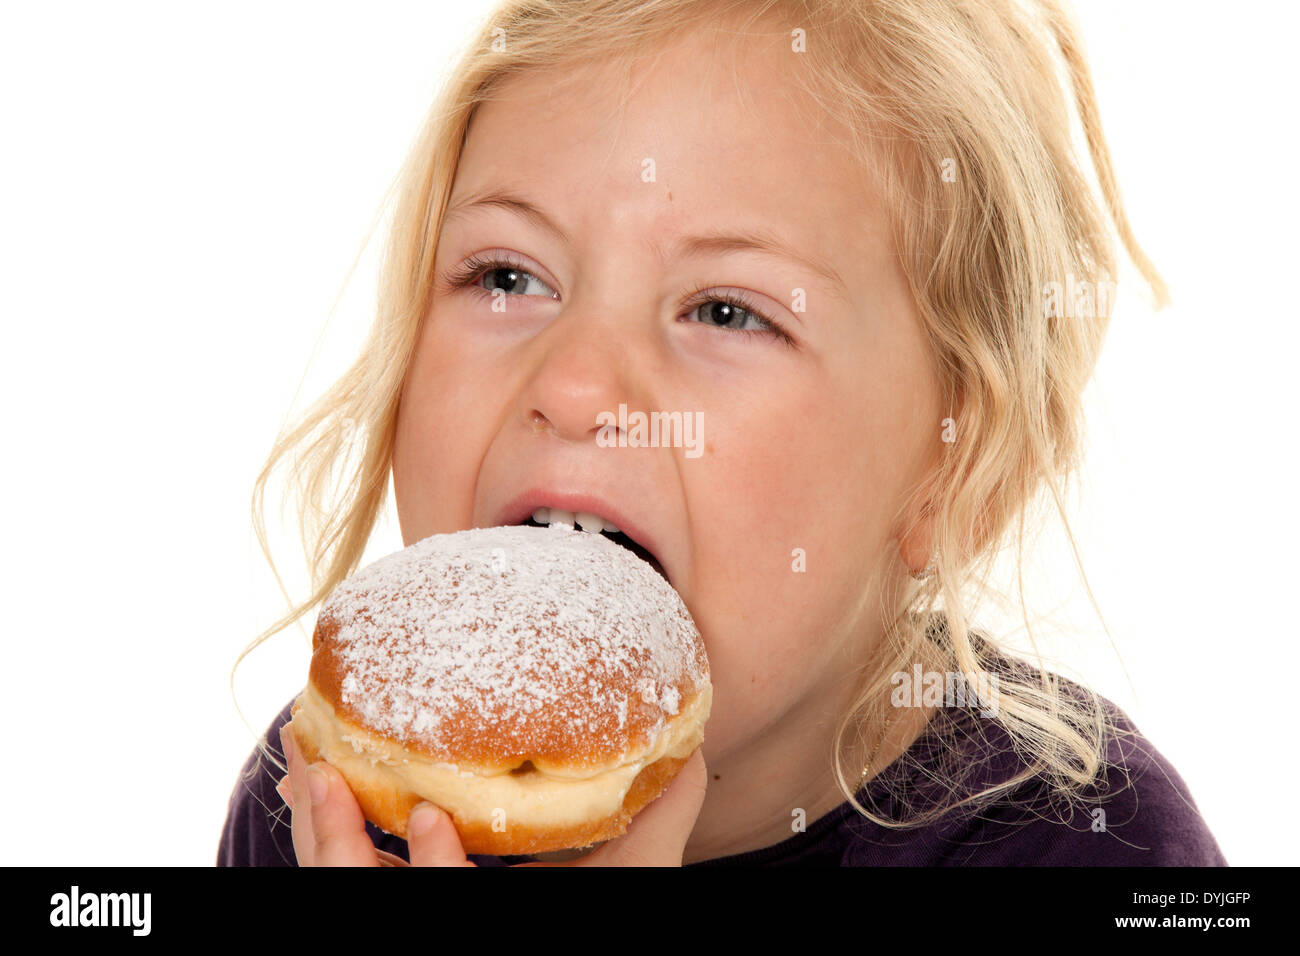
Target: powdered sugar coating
(500,645)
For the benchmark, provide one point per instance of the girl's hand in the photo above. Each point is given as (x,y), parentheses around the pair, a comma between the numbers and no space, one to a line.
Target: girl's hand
(329,828)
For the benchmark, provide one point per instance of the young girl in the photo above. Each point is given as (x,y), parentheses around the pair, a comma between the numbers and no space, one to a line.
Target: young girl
(853,241)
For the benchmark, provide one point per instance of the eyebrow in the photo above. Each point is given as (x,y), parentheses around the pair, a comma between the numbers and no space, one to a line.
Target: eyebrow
(753,240)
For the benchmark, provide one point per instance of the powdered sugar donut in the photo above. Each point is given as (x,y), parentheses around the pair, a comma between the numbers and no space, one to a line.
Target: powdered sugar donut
(541,685)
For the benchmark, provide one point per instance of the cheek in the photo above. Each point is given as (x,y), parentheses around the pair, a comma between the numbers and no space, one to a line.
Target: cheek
(779,519)
(443,422)
(792,510)
(800,480)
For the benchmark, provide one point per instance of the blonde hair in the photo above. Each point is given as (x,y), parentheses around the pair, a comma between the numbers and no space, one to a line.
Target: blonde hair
(959,105)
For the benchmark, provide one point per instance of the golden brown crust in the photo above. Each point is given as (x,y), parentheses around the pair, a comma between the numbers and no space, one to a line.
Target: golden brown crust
(465,735)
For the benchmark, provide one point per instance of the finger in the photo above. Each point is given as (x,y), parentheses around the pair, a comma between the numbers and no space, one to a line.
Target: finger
(304,843)
(337,824)
(282,788)
(658,834)
(432,839)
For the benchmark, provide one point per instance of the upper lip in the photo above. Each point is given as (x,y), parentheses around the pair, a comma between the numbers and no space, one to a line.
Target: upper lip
(522,506)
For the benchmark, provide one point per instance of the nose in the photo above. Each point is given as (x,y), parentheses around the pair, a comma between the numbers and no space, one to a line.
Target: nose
(584,367)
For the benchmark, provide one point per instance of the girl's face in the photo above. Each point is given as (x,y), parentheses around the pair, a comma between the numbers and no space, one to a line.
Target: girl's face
(812,402)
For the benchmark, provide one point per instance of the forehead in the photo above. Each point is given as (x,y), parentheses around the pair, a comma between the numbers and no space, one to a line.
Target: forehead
(710,131)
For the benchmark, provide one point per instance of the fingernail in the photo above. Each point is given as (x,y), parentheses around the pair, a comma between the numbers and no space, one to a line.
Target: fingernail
(286,743)
(317,784)
(423,819)
(286,794)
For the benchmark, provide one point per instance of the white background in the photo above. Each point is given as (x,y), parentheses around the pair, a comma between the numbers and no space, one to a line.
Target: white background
(183,190)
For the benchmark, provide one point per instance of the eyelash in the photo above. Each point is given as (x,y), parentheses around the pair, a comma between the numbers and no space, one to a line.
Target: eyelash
(703,295)
(476,266)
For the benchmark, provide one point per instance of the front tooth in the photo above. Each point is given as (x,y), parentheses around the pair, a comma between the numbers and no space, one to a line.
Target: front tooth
(542,515)
(564,518)
(610,528)
(589,522)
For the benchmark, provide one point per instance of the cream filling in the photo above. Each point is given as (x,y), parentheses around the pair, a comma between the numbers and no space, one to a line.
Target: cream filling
(536,797)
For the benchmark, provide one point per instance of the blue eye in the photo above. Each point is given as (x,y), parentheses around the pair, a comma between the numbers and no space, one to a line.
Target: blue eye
(729,310)
(503,274)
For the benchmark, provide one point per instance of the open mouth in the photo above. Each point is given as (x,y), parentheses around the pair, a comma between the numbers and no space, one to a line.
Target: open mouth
(619,538)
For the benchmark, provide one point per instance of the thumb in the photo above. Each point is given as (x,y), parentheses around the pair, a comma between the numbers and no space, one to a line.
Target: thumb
(657,835)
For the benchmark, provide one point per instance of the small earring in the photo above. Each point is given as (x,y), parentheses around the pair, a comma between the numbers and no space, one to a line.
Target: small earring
(929,569)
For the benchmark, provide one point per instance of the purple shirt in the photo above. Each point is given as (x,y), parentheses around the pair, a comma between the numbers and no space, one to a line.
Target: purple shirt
(1138,813)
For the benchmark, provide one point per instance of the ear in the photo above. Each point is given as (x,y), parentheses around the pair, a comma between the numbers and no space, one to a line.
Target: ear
(916,544)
